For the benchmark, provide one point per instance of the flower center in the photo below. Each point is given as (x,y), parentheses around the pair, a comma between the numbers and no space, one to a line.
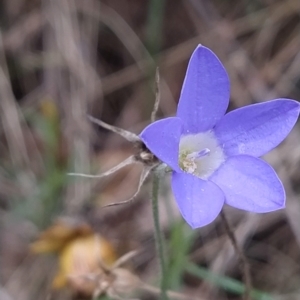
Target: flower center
(200,154)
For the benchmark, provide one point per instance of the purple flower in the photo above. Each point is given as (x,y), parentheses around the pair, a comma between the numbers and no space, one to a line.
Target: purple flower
(214,157)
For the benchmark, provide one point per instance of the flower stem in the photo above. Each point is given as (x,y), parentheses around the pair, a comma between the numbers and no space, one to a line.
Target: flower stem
(244,263)
(158,235)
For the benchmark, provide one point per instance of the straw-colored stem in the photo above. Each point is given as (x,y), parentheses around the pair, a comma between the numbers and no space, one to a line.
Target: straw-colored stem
(244,263)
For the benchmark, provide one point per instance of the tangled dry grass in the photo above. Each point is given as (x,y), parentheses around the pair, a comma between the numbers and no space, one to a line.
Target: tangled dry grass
(63,59)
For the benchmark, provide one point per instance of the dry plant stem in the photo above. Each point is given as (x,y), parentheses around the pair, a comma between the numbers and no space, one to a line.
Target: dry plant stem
(239,251)
(130,160)
(10,117)
(170,294)
(125,258)
(158,235)
(129,136)
(143,177)
(157,96)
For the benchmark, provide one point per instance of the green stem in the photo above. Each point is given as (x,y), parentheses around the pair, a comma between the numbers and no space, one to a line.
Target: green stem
(158,236)
(154,26)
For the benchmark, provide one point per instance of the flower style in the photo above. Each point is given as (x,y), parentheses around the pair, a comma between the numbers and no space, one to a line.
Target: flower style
(214,157)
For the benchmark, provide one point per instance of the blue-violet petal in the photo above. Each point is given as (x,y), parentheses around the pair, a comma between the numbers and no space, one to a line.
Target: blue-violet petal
(199,201)
(256,129)
(205,92)
(250,184)
(162,139)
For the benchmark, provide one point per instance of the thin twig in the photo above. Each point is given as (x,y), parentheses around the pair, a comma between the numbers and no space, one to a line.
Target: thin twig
(130,160)
(129,136)
(125,258)
(245,265)
(143,177)
(157,96)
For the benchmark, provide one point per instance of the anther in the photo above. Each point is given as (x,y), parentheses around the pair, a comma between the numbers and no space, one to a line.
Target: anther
(199,154)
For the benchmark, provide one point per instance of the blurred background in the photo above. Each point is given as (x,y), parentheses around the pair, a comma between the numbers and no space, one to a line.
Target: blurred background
(63,59)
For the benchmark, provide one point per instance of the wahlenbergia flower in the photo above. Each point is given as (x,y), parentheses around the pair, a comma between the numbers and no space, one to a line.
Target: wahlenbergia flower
(214,157)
